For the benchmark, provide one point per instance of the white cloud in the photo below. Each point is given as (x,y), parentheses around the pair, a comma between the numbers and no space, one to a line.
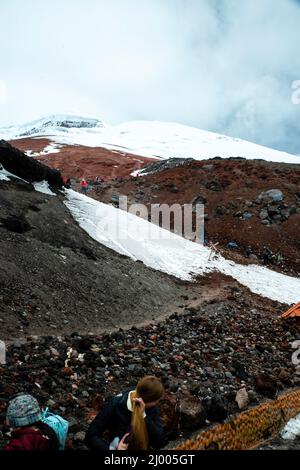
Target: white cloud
(223,65)
(3,92)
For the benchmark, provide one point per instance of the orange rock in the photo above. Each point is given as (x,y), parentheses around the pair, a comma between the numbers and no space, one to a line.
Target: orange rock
(67,371)
(292,312)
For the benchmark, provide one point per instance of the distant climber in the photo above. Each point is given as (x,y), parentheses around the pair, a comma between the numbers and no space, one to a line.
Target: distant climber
(131,418)
(277,258)
(232,246)
(248,251)
(28,431)
(83,186)
(266,255)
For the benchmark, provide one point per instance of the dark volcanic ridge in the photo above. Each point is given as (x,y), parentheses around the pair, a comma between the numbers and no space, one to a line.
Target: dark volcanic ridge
(17,163)
(54,277)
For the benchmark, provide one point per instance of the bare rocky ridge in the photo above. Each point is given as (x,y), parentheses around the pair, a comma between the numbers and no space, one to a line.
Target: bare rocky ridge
(14,161)
(54,276)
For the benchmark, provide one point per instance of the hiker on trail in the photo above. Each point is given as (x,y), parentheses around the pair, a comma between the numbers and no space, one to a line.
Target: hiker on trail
(277,258)
(131,418)
(266,255)
(83,186)
(98,181)
(248,251)
(28,431)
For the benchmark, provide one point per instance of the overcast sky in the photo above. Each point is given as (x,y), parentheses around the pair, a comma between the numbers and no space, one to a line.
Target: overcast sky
(221,65)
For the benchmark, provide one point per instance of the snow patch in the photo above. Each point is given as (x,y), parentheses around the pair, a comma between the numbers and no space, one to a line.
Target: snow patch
(292,429)
(40,186)
(6,175)
(43,187)
(164,251)
(137,173)
(51,148)
(3,176)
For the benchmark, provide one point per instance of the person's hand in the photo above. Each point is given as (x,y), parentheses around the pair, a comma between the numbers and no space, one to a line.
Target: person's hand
(139,402)
(122,445)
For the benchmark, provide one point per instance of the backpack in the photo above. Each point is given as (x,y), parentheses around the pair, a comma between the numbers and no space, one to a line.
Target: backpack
(59,425)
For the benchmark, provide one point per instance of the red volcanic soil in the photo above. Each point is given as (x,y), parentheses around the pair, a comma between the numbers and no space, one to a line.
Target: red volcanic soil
(77,161)
(230,187)
(33,144)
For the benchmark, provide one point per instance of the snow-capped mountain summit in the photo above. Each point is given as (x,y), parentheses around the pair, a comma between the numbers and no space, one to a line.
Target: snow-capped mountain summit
(145,138)
(50,125)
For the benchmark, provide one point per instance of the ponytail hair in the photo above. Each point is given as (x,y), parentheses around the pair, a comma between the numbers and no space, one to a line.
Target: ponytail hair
(150,389)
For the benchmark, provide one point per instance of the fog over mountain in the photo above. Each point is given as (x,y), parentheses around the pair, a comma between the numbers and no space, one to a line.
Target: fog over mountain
(221,65)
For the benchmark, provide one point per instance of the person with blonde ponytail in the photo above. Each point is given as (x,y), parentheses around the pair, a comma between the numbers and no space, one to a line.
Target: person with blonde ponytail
(132,420)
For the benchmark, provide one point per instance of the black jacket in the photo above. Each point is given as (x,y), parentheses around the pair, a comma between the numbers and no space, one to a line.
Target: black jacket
(116,419)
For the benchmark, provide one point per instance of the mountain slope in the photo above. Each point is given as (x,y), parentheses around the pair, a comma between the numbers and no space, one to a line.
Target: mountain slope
(146,138)
(162,250)
(51,125)
(55,278)
(231,191)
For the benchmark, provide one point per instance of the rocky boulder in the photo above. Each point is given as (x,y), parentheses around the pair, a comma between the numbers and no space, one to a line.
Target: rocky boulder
(265,385)
(272,195)
(16,224)
(192,412)
(216,408)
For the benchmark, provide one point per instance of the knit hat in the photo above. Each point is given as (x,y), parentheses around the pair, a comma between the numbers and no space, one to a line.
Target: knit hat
(23,410)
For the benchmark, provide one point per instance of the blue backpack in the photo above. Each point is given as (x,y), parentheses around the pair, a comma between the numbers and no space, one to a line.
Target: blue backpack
(59,425)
